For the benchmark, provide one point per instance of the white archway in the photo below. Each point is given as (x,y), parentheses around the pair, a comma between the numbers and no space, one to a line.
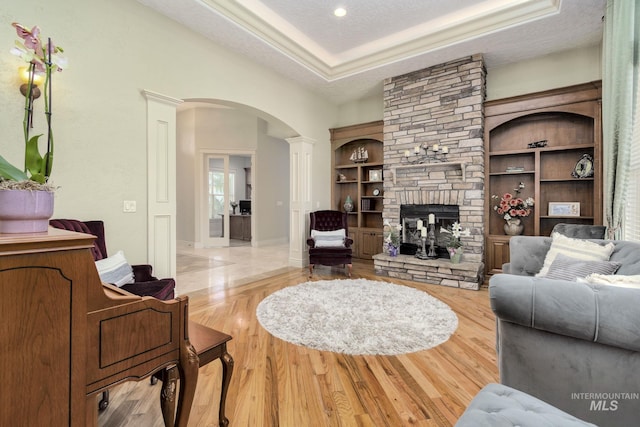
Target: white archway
(163,233)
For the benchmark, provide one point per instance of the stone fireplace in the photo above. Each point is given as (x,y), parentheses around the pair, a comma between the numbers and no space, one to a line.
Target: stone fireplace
(434,156)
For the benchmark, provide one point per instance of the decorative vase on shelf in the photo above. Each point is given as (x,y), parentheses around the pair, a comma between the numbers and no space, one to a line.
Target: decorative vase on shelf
(455,255)
(25,211)
(348,204)
(513,227)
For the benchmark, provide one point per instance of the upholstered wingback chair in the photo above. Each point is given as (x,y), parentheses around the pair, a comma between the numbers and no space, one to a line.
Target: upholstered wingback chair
(145,284)
(329,241)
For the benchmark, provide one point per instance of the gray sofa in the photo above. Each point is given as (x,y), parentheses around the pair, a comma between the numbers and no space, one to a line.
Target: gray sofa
(497,405)
(573,345)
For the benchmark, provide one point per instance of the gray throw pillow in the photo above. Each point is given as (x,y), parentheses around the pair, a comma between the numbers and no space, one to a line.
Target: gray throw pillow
(568,268)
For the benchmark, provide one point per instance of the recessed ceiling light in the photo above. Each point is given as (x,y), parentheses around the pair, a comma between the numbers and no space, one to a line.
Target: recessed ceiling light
(340,12)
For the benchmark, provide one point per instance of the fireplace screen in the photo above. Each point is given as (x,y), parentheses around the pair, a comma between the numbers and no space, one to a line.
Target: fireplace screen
(443,216)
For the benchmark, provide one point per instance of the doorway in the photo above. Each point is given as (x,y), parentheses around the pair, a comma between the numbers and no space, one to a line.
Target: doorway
(227,195)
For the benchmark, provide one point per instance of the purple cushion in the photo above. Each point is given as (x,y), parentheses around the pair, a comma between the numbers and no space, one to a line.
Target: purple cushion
(162,289)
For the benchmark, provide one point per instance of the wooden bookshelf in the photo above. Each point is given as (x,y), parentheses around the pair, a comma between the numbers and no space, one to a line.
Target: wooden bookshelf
(359,180)
(569,121)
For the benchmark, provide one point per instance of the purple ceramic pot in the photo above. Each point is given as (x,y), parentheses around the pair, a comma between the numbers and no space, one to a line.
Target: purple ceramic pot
(25,211)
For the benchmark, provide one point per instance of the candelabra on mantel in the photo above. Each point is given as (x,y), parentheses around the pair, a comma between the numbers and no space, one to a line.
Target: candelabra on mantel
(430,235)
(421,253)
(425,154)
(432,242)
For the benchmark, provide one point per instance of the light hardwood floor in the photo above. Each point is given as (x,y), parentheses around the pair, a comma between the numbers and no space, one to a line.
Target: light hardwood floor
(275,383)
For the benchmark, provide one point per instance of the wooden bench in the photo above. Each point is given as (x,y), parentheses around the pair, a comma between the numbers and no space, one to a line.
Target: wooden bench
(209,345)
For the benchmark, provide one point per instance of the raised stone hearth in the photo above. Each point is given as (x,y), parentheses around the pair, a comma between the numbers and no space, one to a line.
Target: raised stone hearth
(466,275)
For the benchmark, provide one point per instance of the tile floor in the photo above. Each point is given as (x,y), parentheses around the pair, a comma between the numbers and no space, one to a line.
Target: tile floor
(216,269)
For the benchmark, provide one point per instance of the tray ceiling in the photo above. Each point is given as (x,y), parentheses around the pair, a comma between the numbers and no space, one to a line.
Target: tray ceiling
(348,58)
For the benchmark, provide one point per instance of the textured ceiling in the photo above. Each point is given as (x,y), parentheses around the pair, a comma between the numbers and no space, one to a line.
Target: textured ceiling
(348,58)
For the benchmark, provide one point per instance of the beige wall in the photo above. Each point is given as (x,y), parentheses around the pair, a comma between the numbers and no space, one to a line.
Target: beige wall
(186,176)
(547,72)
(115,50)
(363,110)
(271,193)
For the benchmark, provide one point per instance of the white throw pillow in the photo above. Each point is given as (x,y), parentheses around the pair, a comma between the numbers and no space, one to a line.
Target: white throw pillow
(329,235)
(575,248)
(328,239)
(613,280)
(329,243)
(115,269)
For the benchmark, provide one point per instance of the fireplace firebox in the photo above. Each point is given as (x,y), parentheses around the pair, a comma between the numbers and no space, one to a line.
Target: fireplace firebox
(445,215)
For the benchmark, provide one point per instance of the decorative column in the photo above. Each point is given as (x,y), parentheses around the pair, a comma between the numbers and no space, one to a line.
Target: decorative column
(301,164)
(161,183)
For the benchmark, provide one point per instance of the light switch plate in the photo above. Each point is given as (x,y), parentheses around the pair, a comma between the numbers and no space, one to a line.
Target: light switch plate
(129,206)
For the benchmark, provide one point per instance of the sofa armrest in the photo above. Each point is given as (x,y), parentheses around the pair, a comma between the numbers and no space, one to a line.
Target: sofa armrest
(598,313)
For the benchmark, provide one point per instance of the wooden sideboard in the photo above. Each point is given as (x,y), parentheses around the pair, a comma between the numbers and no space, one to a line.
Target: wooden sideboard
(240,227)
(66,336)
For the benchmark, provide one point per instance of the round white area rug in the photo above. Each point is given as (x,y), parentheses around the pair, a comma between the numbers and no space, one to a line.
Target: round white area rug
(357,317)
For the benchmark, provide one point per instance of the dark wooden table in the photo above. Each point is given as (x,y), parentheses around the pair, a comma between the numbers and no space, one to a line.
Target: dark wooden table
(209,345)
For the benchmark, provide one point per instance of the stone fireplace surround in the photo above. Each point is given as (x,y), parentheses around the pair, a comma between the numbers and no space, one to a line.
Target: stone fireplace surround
(439,105)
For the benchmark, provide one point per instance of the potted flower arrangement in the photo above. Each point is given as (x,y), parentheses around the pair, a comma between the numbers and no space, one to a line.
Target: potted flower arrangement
(453,242)
(512,208)
(391,234)
(26,196)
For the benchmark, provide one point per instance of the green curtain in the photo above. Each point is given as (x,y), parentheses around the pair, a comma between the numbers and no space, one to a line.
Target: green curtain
(619,89)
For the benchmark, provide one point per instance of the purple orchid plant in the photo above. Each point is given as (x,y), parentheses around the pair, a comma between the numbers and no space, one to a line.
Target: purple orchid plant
(42,59)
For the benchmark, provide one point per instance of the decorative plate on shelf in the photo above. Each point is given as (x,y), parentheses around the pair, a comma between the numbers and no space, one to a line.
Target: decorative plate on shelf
(376,192)
(584,167)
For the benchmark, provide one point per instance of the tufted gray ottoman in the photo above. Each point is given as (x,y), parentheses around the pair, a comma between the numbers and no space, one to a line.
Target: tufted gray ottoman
(497,405)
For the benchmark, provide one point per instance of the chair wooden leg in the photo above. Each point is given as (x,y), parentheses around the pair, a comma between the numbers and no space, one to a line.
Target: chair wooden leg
(349,266)
(310,270)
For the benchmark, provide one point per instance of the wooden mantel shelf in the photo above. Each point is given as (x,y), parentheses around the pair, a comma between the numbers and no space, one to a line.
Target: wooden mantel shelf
(461,165)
